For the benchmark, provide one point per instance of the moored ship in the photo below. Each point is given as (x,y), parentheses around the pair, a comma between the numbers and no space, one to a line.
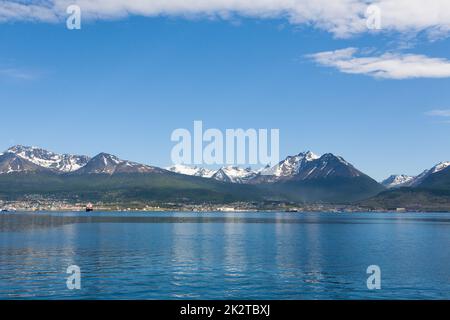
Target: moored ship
(89,207)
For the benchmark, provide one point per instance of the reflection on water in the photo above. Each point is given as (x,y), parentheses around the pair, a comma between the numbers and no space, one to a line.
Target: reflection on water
(224,256)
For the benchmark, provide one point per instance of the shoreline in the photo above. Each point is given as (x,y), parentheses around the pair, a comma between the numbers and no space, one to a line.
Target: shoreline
(66,205)
(218,211)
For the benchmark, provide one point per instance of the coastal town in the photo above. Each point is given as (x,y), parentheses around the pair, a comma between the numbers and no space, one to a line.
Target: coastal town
(52,205)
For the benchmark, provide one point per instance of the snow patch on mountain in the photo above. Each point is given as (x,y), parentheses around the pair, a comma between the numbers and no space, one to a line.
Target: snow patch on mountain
(291,165)
(105,163)
(231,174)
(191,171)
(397,181)
(234,174)
(11,163)
(437,168)
(327,166)
(441,166)
(50,160)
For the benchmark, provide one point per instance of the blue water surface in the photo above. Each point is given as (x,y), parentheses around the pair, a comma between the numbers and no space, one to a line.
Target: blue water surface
(224,255)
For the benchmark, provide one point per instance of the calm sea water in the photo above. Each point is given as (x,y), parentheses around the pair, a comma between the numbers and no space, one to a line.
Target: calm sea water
(224,256)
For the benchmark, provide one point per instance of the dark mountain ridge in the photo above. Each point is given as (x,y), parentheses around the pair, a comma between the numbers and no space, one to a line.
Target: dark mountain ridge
(301,178)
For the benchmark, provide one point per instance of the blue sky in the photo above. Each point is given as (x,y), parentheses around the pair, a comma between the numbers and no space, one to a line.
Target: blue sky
(123,85)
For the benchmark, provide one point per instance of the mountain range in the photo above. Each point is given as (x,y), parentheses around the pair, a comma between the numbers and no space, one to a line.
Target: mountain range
(398,181)
(305,177)
(34,172)
(303,166)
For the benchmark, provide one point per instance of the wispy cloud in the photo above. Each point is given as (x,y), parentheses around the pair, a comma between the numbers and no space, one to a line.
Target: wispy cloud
(387,66)
(342,18)
(14,73)
(442,114)
(439,113)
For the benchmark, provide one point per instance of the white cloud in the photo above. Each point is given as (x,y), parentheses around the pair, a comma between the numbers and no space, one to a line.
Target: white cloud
(35,11)
(340,17)
(17,74)
(387,65)
(439,113)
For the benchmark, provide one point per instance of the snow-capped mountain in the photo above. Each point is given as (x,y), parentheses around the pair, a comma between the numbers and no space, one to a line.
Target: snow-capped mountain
(397,181)
(327,166)
(191,171)
(234,174)
(291,165)
(303,166)
(32,159)
(105,163)
(11,163)
(421,177)
(307,166)
(49,160)
(285,169)
(226,174)
(326,178)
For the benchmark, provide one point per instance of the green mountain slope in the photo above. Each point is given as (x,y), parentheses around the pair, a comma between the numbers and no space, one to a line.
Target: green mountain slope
(162,187)
(330,190)
(437,181)
(172,187)
(411,199)
(432,194)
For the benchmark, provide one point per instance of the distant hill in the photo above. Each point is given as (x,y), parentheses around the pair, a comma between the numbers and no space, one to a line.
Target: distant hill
(429,191)
(125,187)
(412,199)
